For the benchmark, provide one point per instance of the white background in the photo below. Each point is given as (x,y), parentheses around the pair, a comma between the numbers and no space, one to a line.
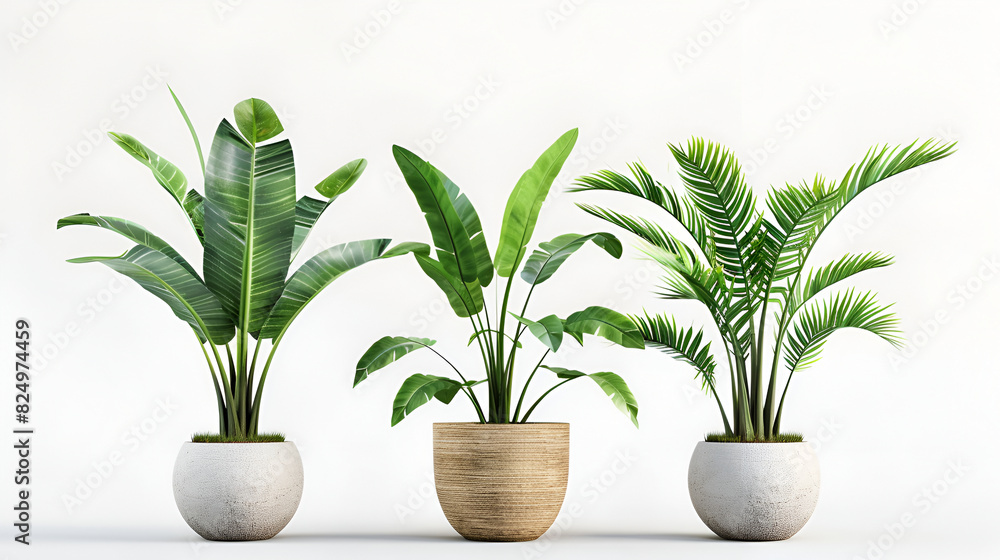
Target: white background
(795,88)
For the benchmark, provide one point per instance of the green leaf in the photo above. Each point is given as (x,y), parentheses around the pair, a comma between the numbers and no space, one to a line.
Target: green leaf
(175,285)
(447,394)
(612,384)
(549,330)
(130,230)
(419,389)
(385,351)
(406,248)
(166,174)
(257,120)
(550,255)
(249,224)
(818,321)
(684,344)
(465,298)
(308,210)
(470,220)
(837,271)
(342,179)
(314,276)
(605,323)
(194,135)
(526,201)
(453,242)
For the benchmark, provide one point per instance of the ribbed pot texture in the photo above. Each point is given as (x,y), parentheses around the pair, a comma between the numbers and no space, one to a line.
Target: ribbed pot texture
(238,491)
(754,491)
(501,482)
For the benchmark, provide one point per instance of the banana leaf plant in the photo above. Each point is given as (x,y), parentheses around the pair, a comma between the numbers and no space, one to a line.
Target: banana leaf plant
(464,268)
(251,228)
(747,266)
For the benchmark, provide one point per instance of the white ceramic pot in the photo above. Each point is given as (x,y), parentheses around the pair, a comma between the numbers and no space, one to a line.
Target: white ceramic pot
(754,491)
(238,491)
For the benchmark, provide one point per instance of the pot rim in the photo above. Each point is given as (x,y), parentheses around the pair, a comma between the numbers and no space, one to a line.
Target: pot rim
(492,425)
(235,442)
(760,443)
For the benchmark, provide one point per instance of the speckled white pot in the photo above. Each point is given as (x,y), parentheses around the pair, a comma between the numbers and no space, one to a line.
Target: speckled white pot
(754,491)
(238,491)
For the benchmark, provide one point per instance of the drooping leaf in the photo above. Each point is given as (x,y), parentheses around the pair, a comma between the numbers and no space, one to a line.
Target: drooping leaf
(419,389)
(385,351)
(465,298)
(605,323)
(453,242)
(447,394)
(314,276)
(525,202)
(684,344)
(257,120)
(550,255)
(175,285)
(548,330)
(166,174)
(249,224)
(130,230)
(612,384)
(406,248)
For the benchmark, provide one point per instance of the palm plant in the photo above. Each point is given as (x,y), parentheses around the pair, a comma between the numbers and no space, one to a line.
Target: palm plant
(251,228)
(464,267)
(748,268)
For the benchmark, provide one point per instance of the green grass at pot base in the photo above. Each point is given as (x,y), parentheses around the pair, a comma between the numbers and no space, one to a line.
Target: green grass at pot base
(781,438)
(259,438)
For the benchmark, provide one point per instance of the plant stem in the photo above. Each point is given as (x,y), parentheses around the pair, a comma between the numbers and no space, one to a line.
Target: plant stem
(215,381)
(502,415)
(545,394)
(524,390)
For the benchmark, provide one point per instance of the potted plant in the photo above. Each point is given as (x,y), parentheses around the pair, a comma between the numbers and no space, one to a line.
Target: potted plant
(241,483)
(500,478)
(747,267)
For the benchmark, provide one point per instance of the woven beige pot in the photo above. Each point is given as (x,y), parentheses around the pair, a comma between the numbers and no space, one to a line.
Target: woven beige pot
(501,482)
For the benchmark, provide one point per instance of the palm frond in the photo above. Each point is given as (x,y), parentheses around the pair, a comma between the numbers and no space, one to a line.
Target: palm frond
(684,344)
(646,230)
(825,276)
(818,321)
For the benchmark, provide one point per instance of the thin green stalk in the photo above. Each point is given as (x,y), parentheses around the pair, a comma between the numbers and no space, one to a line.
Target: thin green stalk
(218,391)
(781,405)
(255,409)
(247,401)
(725,419)
(472,395)
(524,390)
(502,417)
(545,394)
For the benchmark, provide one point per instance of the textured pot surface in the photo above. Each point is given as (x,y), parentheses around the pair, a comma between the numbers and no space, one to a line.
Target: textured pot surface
(501,482)
(754,491)
(238,491)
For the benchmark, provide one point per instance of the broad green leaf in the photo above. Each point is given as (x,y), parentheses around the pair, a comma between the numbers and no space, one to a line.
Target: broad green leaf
(526,201)
(612,384)
(550,255)
(314,276)
(406,248)
(257,120)
(249,224)
(419,389)
(130,230)
(166,174)
(605,323)
(549,330)
(452,241)
(465,298)
(175,285)
(447,394)
(385,351)
(470,219)
(308,210)
(342,179)
(187,120)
